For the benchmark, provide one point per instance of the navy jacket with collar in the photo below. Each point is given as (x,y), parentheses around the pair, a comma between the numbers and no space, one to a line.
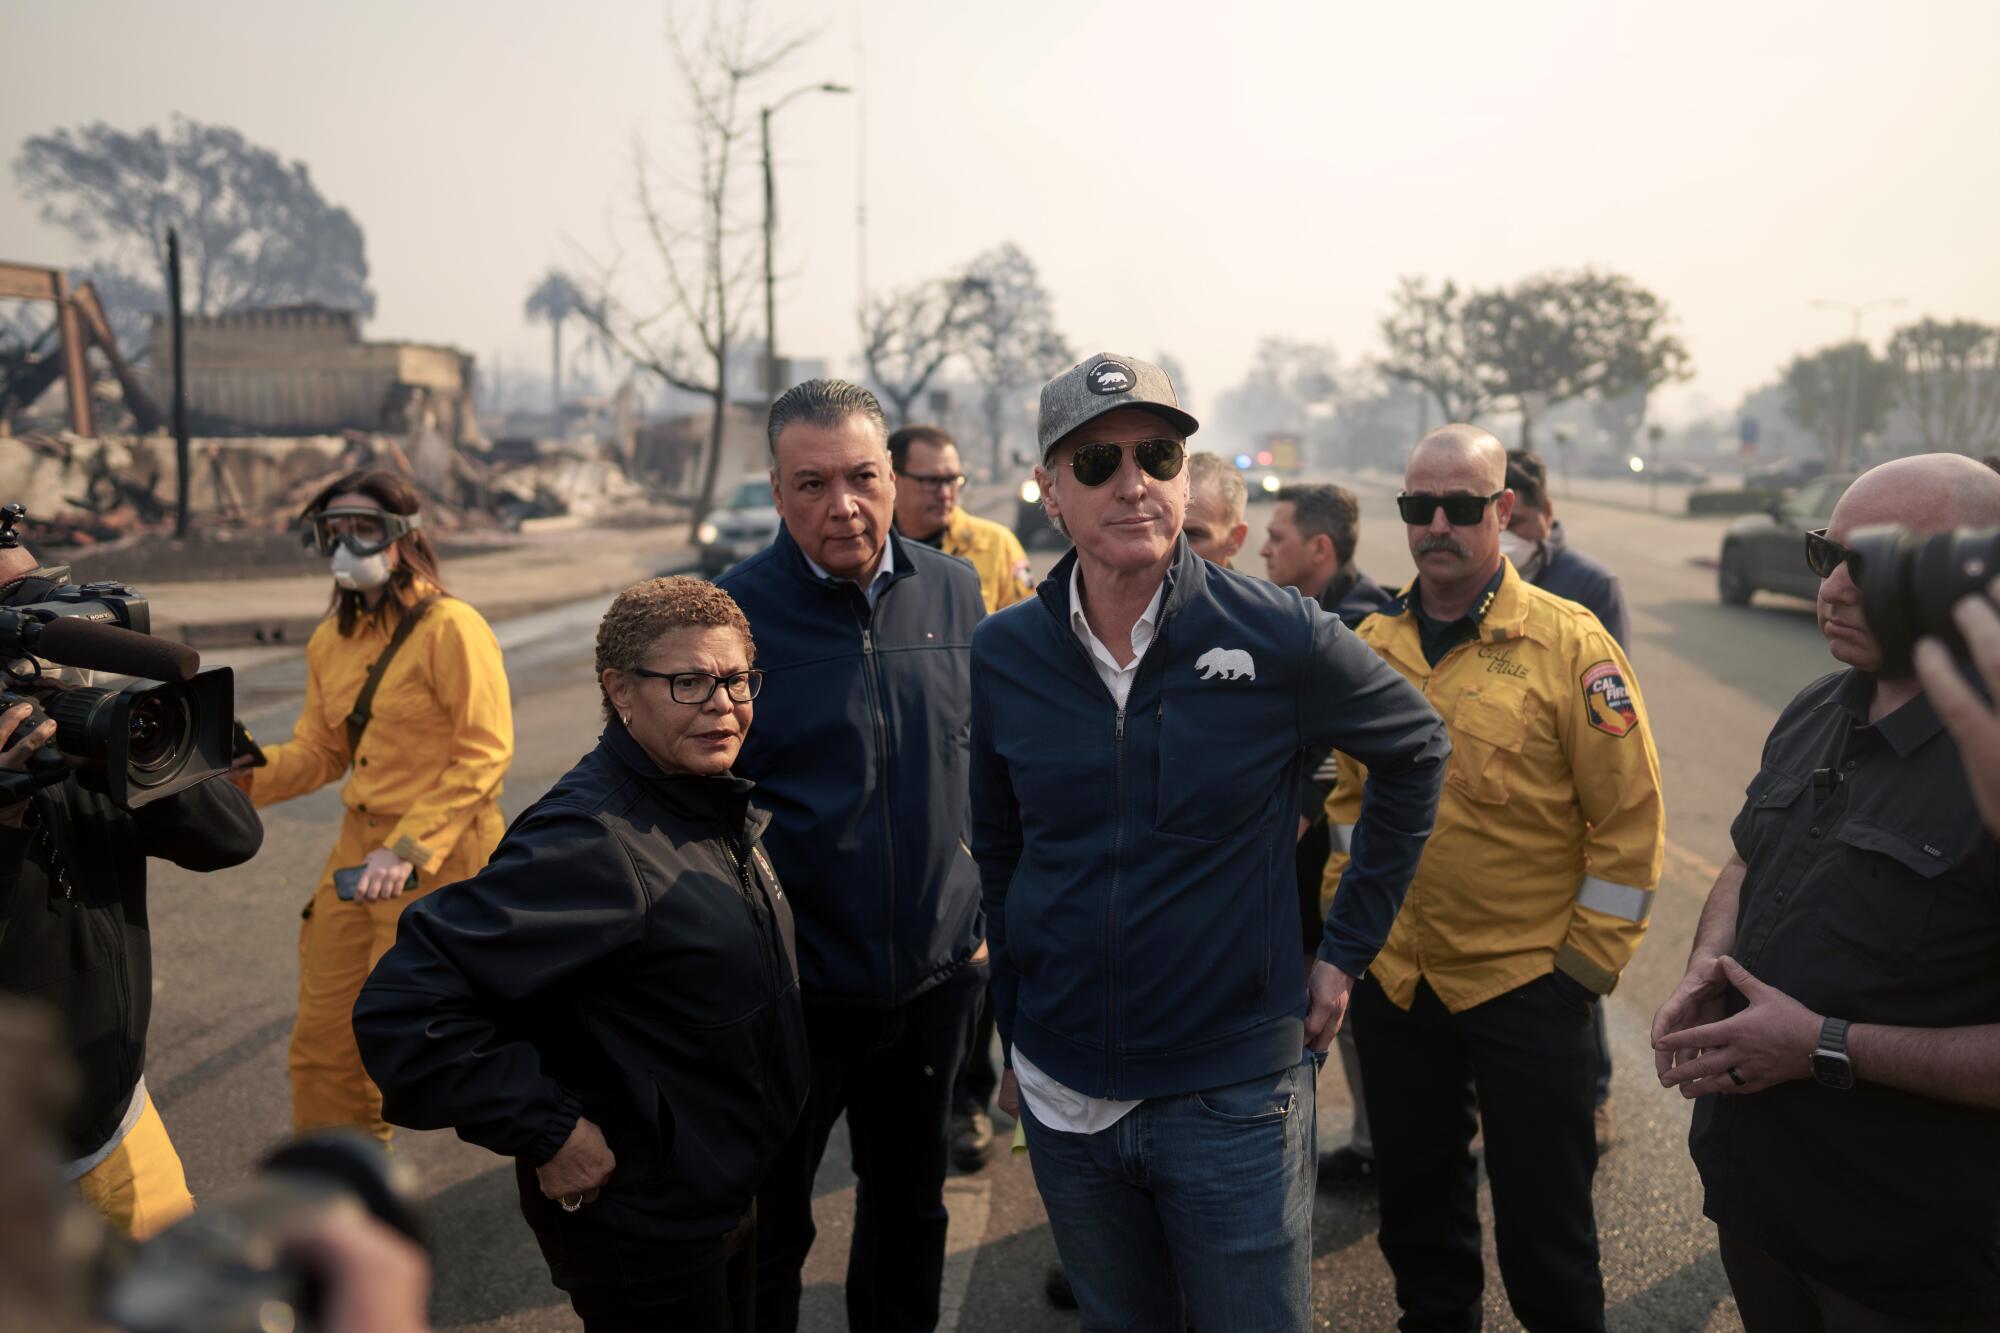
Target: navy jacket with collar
(1137,863)
(858,750)
(1570,573)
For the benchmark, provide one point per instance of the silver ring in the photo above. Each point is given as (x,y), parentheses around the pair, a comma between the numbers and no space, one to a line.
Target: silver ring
(571,1202)
(1735,1077)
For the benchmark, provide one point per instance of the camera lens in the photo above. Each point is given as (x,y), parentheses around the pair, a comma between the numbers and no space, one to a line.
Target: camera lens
(157,736)
(1909,584)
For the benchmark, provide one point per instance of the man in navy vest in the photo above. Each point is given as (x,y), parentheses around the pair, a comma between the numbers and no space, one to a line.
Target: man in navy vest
(1138,738)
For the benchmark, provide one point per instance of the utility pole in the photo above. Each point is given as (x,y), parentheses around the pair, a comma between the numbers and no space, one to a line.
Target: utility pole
(1856,350)
(182,461)
(771,385)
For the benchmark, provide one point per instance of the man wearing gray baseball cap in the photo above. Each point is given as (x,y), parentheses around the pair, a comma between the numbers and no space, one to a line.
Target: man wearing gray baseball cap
(1137,733)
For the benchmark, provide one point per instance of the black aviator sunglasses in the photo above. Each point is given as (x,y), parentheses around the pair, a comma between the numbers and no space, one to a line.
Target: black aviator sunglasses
(1097,462)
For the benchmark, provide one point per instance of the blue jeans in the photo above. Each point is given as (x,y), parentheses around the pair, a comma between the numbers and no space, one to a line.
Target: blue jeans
(1212,1188)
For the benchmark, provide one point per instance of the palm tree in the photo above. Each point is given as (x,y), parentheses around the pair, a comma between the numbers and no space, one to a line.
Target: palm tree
(554,299)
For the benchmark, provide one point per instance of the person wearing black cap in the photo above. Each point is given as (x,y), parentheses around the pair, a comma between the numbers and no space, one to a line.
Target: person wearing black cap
(1140,905)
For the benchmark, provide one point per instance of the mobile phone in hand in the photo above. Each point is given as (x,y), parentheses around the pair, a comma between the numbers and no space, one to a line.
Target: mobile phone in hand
(346,882)
(242,742)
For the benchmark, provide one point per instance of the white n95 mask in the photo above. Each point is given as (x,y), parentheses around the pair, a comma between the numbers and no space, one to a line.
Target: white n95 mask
(360,573)
(1525,555)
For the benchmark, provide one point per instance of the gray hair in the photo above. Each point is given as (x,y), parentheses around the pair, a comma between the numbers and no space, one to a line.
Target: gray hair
(1329,511)
(1212,469)
(824,403)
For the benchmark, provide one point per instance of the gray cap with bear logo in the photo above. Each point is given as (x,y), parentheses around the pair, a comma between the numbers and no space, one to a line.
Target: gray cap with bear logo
(1105,382)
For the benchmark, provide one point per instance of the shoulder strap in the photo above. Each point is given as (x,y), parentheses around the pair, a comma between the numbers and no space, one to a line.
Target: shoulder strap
(357,719)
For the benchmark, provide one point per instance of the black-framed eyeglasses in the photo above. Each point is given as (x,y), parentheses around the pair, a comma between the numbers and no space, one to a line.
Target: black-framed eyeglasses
(1097,462)
(935,483)
(1824,554)
(697,687)
(1461,511)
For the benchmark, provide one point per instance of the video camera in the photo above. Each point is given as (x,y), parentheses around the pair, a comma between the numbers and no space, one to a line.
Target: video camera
(222,1269)
(1909,584)
(165,731)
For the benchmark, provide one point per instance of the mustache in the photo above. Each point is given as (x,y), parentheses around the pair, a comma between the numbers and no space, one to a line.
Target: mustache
(1441,541)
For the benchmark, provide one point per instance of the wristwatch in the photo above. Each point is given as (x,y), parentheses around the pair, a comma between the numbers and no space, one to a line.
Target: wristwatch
(1830,1066)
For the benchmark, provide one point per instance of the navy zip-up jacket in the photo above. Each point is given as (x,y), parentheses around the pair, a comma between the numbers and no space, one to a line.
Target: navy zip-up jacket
(1137,864)
(1583,580)
(859,753)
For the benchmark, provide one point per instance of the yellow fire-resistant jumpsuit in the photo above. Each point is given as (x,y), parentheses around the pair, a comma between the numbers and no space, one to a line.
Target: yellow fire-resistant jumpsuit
(995,552)
(1551,830)
(425,784)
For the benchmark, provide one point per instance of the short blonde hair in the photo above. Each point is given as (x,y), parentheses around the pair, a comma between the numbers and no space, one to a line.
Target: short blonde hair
(643,612)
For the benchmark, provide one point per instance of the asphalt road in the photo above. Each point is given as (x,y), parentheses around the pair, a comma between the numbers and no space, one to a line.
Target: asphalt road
(1713,678)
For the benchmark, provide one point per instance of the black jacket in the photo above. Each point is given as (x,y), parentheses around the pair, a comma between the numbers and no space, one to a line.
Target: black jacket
(73,922)
(626,955)
(859,753)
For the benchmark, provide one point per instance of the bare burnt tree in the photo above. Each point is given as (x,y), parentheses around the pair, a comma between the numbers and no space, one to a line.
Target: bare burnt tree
(1013,342)
(908,337)
(1426,335)
(683,322)
(254,229)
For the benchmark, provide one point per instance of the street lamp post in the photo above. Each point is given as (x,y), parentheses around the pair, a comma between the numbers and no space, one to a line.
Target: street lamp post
(770,232)
(1854,367)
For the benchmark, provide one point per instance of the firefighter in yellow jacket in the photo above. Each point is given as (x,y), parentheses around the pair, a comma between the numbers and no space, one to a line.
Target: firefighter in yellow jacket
(423,782)
(1531,897)
(929,480)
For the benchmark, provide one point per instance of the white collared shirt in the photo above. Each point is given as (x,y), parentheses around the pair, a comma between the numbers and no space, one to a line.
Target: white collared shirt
(1117,679)
(1055,1105)
(882,572)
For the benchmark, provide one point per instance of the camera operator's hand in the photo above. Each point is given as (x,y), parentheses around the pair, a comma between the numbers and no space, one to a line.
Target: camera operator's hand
(19,750)
(375,1280)
(240,769)
(383,874)
(581,1167)
(1974,725)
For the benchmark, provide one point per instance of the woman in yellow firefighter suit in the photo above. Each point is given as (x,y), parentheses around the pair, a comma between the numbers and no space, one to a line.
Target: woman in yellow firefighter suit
(423,784)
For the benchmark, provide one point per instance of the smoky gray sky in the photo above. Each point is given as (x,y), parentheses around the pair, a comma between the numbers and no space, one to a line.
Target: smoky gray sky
(1189,176)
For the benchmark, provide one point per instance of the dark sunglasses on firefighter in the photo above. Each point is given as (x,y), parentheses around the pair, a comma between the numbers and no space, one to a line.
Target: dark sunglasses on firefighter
(1824,555)
(1097,462)
(1461,511)
(361,530)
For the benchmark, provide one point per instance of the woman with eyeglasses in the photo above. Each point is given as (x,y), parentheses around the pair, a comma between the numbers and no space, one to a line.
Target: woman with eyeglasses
(422,791)
(614,1001)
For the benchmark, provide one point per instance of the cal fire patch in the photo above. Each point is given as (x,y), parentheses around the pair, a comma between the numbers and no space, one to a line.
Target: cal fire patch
(1608,700)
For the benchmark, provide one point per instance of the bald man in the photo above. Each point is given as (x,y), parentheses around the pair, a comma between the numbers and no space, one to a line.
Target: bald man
(1531,897)
(1844,989)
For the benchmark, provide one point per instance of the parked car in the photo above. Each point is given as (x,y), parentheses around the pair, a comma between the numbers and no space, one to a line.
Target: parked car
(1767,552)
(742,527)
(1785,473)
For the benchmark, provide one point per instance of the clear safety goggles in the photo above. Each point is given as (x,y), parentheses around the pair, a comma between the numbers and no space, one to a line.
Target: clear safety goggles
(363,531)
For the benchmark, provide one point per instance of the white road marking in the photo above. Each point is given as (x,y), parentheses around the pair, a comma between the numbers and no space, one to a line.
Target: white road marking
(969,1200)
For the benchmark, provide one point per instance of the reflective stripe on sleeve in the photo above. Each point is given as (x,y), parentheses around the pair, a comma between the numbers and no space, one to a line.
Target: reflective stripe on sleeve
(1328,770)
(1619,900)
